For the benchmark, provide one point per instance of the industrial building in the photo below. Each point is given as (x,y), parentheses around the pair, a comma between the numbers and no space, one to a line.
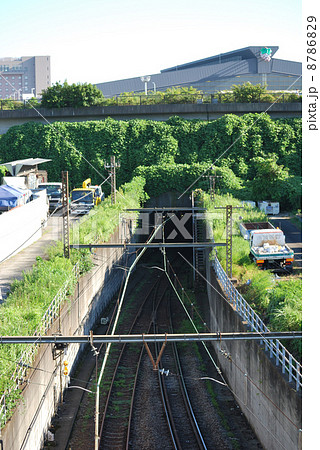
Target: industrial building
(218,73)
(24,77)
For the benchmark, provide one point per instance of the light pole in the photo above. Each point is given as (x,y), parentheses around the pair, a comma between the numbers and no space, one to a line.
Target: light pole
(145,80)
(154,86)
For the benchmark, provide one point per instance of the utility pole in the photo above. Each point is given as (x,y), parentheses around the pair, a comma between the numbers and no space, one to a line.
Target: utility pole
(65,214)
(113,166)
(212,184)
(229,240)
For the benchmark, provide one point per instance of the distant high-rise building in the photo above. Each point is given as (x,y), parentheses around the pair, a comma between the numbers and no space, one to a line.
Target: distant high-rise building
(25,77)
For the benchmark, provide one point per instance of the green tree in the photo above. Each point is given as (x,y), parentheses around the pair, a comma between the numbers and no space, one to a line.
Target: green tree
(3,171)
(247,92)
(182,95)
(73,95)
(271,179)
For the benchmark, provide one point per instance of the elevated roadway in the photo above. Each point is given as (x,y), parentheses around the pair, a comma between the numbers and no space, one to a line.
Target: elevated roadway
(205,111)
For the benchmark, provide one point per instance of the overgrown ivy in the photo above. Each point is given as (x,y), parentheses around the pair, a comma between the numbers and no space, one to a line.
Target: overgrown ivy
(231,142)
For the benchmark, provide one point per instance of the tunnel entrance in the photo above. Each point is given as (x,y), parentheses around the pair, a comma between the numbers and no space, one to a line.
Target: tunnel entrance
(183,221)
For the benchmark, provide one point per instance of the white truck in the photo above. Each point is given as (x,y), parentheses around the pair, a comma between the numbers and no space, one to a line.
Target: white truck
(267,207)
(268,248)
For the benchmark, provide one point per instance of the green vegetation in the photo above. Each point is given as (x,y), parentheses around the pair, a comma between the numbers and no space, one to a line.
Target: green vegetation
(245,93)
(248,93)
(85,95)
(3,170)
(171,154)
(9,104)
(74,95)
(30,297)
(278,301)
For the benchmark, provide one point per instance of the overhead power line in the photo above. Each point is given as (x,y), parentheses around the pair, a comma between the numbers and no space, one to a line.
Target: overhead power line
(129,338)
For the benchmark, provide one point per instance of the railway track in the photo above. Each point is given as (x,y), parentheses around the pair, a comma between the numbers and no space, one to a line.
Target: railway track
(182,422)
(115,425)
(132,415)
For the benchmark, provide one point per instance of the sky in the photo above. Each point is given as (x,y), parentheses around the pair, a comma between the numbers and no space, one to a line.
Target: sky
(104,40)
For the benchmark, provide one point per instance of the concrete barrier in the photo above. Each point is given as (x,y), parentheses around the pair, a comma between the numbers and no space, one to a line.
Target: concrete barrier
(205,111)
(22,226)
(271,404)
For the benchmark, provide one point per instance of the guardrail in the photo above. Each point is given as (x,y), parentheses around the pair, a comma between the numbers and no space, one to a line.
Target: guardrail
(27,356)
(282,357)
(168,98)
(198,98)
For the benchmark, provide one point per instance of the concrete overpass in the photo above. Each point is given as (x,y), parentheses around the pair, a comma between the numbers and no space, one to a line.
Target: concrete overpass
(205,111)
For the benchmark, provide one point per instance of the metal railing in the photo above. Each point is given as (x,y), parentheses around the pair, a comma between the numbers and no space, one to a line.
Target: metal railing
(197,98)
(167,98)
(27,357)
(276,350)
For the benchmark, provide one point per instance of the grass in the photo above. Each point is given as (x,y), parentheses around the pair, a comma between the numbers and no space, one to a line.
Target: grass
(278,301)
(30,297)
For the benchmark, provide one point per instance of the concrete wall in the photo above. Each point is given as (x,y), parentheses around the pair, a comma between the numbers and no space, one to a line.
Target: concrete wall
(206,111)
(27,428)
(270,403)
(22,226)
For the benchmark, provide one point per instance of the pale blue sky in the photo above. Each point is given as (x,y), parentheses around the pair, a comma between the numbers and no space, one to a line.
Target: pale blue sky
(104,40)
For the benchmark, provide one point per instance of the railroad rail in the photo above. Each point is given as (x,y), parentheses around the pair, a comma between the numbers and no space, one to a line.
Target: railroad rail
(115,425)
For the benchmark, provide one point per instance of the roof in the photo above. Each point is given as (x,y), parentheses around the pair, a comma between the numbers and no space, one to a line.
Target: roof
(245,61)
(14,167)
(234,55)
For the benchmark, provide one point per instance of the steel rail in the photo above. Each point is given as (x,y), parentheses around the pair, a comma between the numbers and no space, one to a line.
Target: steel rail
(137,316)
(127,338)
(167,409)
(158,302)
(193,420)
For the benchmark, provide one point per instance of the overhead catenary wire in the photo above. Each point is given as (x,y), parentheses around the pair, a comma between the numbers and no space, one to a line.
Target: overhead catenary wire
(192,322)
(247,377)
(225,383)
(96,439)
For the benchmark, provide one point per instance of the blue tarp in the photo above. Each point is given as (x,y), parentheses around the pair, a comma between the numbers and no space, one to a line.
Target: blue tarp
(9,196)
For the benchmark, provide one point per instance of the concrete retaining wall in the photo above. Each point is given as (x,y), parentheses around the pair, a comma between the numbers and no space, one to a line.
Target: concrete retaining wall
(205,111)
(271,405)
(22,226)
(27,428)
